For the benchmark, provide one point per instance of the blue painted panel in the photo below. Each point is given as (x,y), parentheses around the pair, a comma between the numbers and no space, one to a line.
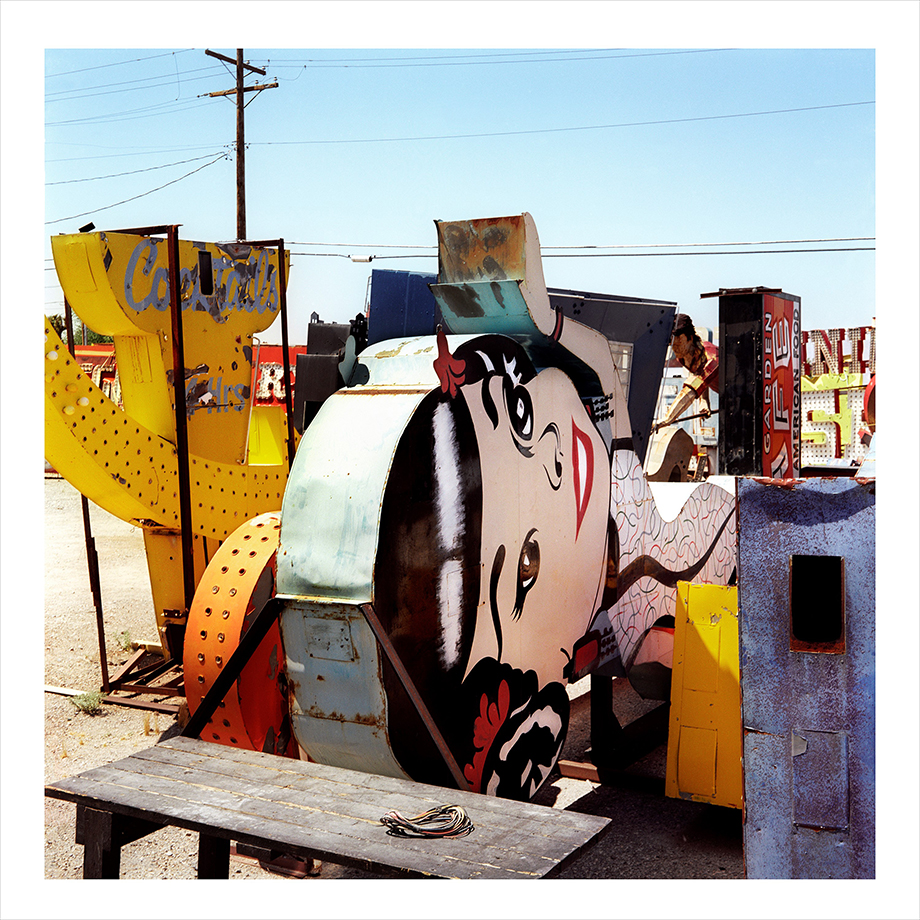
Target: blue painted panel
(401,305)
(496,306)
(338,708)
(820,780)
(767,778)
(809,716)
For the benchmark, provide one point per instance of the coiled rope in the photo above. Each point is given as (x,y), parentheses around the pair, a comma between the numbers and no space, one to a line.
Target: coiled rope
(443,821)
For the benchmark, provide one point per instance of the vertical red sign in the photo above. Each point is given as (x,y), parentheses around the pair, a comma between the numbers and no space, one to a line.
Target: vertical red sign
(781,393)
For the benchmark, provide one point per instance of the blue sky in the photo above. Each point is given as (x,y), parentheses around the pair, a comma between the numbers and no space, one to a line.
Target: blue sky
(607,146)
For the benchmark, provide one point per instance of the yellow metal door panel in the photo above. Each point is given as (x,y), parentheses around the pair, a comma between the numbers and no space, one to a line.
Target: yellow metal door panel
(696,762)
(164,563)
(702,648)
(144,391)
(704,736)
(74,252)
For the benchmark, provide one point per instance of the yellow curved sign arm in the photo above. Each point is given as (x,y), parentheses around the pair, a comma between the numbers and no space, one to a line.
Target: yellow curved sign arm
(130,470)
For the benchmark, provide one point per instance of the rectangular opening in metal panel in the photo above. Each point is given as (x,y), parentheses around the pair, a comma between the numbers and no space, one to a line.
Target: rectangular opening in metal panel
(816,604)
(622,352)
(205,272)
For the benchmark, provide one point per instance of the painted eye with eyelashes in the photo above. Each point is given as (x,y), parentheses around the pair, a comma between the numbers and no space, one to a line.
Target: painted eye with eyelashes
(528,569)
(520,409)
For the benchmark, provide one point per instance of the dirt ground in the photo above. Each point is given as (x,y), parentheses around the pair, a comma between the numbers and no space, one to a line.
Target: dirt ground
(653,837)
(74,740)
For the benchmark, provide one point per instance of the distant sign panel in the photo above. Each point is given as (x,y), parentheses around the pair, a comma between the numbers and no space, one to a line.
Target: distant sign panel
(759,383)
(782,405)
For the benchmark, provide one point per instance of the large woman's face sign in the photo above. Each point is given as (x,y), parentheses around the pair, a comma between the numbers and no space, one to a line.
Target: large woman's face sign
(545,498)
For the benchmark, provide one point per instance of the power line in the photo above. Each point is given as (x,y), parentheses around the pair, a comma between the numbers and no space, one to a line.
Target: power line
(142,195)
(630,124)
(359,63)
(835,239)
(608,255)
(714,252)
(543,249)
(832,239)
(433,57)
(136,152)
(146,113)
(424,58)
(132,172)
(83,92)
(65,73)
(361,245)
(581,255)
(166,81)
(458,60)
(84,89)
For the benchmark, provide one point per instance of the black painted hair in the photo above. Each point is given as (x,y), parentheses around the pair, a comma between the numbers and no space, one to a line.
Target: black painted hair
(429,556)
(683,325)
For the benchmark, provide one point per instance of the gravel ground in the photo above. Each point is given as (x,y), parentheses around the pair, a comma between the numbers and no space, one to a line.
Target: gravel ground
(654,837)
(75,741)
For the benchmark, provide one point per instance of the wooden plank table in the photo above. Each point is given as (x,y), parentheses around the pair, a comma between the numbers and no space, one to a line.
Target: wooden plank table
(308,811)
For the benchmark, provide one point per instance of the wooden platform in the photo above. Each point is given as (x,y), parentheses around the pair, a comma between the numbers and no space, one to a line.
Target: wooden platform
(308,811)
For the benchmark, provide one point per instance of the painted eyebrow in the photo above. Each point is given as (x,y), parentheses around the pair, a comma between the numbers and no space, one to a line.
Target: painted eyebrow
(497,564)
(554,428)
(488,403)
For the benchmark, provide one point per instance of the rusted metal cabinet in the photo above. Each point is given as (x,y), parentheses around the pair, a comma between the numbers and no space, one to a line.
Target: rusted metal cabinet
(807,622)
(759,382)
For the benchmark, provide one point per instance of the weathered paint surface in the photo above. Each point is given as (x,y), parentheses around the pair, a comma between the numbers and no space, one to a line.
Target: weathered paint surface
(123,457)
(333,667)
(809,717)
(482,492)
(238,581)
(331,512)
(118,284)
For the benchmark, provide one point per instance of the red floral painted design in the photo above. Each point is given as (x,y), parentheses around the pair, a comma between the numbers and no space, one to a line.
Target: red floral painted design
(485,728)
(451,371)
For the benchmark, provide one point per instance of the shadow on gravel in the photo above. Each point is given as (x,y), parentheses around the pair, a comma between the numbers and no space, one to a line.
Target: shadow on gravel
(651,835)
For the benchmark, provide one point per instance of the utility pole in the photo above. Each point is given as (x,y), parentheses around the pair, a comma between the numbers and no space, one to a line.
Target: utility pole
(240,139)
